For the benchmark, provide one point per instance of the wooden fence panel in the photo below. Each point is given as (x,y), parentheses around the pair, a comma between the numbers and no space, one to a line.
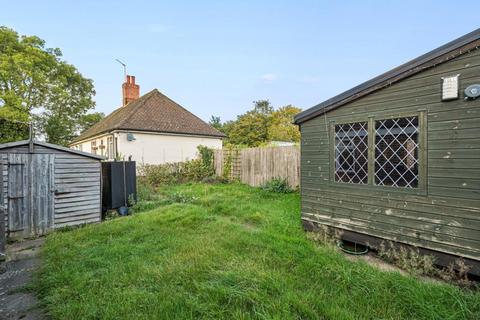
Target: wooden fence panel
(255,166)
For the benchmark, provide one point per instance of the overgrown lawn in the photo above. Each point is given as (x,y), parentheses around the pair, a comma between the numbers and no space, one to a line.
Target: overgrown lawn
(225,252)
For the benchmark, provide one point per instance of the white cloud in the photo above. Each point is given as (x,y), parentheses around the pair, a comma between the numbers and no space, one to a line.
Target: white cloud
(269,77)
(157,28)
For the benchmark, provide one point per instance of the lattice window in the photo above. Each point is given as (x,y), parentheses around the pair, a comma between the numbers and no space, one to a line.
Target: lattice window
(396,152)
(351,152)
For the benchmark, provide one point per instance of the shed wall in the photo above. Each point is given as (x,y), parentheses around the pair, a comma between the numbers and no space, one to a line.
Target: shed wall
(446,215)
(77,180)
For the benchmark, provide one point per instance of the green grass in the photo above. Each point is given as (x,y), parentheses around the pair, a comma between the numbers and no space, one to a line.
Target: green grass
(229,252)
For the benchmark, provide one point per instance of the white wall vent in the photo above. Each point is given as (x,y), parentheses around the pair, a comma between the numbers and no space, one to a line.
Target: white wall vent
(450,87)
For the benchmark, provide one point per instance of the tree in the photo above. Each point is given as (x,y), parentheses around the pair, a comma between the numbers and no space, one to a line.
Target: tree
(251,128)
(89,120)
(225,127)
(36,85)
(13,126)
(282,127)
(215,122)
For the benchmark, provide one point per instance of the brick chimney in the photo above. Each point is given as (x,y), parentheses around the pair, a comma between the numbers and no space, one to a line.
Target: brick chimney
(130,90)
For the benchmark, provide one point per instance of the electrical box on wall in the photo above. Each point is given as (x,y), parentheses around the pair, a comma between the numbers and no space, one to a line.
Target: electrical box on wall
(130,137)
(450,87)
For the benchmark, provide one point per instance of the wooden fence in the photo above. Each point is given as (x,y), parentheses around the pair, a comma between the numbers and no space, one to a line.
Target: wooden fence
(255,166)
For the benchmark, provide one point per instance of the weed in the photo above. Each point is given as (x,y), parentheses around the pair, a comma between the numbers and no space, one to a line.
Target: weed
(278,185)
(411,260)
(179,197)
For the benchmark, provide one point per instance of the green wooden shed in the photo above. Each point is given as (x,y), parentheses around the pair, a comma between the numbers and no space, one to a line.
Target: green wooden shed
(398,157)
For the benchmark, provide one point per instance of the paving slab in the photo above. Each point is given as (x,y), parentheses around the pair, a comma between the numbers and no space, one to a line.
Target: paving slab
(16,300)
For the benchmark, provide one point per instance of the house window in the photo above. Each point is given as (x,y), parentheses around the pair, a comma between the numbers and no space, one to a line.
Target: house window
(110,148)
(80,147)
(93,146)
(396,152)
(102,148)
(351,152)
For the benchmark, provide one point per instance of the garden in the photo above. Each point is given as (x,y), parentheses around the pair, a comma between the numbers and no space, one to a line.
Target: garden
(225,251)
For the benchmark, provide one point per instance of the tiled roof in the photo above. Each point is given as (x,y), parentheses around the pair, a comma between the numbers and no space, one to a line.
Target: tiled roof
(152,112)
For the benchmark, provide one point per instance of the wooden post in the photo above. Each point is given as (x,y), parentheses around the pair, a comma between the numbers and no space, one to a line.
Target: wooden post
(3,230)
(30,137)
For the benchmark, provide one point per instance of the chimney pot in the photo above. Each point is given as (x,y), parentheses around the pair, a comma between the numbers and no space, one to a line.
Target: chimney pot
(130,90)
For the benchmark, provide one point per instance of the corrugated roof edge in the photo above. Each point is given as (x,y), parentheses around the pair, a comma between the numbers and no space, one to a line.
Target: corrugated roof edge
(52,146)
(385,78)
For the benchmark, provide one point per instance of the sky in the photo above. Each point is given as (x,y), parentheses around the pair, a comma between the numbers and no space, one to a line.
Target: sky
(217,57)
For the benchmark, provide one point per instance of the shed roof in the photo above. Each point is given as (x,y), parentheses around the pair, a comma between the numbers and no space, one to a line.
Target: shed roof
(437,56)
(152,112)
(51,146)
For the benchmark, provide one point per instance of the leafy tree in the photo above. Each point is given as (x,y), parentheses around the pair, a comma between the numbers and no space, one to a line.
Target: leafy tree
(13,125)
(216,123)
(89,120)
(225,127)
(282,127)
(251,128)
(36,85)
(260,125)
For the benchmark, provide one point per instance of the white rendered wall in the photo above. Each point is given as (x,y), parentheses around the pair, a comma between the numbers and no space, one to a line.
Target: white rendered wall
(149,148)
(86,146)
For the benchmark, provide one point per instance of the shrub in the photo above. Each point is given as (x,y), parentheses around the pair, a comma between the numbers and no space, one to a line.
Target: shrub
(278,185)
(168,173)
(171,173)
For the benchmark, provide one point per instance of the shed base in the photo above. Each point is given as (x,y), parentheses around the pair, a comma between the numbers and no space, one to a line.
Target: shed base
(441,259)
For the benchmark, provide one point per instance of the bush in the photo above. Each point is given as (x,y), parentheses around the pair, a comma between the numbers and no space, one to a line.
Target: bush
(172,173)
(278,185)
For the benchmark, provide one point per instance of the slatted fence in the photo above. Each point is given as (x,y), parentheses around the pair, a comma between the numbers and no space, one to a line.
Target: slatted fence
(255,166)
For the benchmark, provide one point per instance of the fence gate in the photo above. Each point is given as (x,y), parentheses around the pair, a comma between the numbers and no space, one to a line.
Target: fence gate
(30,194)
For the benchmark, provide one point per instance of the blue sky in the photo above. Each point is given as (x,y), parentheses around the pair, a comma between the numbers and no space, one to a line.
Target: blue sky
(216,57)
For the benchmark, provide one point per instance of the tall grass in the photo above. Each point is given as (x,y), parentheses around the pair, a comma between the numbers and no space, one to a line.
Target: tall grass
(232,253)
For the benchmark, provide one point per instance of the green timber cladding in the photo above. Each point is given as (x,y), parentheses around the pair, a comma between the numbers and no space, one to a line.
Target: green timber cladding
(436,203)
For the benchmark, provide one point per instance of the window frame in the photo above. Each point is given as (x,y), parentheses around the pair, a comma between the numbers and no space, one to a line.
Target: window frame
(93,146)
(333,151)
(421,188)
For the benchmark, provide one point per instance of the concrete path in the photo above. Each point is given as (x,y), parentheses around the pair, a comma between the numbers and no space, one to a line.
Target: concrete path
(16,301)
